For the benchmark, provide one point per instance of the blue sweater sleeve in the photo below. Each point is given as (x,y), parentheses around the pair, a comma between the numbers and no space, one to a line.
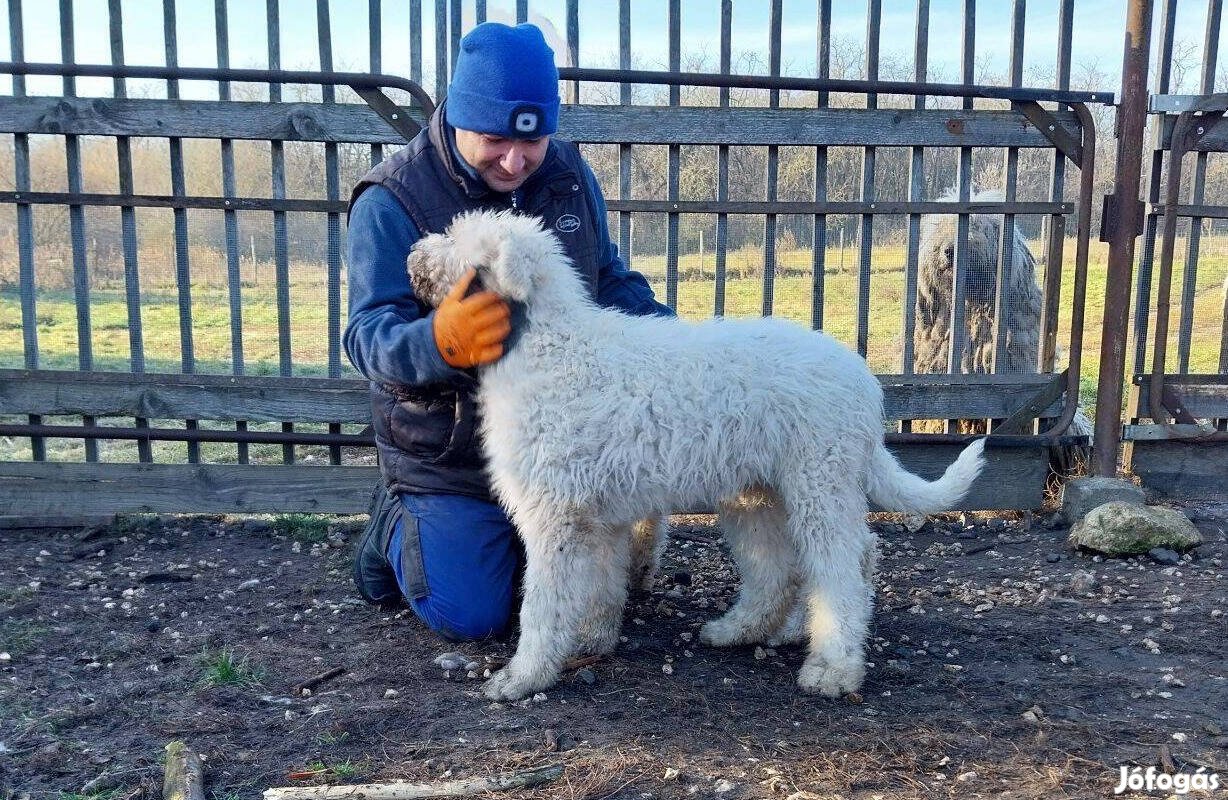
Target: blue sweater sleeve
(386,338)
(617,286)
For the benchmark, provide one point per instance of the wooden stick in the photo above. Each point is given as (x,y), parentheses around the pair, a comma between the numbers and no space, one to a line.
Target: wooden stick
(185,777)
(404,790)
(316,680)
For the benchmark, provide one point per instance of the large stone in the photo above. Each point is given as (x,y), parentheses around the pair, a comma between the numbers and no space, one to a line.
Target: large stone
(1123,529)
(1081,495)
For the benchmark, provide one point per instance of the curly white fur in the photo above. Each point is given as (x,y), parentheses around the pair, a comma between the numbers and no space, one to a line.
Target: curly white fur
(595,419)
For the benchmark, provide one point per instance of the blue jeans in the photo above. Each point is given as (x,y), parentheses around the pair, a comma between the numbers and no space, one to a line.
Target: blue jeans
(457,561)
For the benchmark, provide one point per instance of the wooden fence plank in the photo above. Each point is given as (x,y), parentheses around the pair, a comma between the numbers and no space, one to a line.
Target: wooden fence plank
(278,399)
(1204,396)
(351,122)
(1014,478)
(47,488)
(1173,470)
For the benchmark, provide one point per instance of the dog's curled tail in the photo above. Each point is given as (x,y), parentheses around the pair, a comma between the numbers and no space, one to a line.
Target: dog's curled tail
(894,488)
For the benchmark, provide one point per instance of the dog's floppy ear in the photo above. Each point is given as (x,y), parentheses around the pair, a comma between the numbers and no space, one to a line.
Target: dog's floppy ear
(433,268)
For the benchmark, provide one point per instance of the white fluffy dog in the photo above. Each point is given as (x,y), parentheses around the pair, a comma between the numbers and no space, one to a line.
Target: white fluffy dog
(595,419)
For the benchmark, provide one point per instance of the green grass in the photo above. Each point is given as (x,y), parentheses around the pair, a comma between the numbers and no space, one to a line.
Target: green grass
(18,637)
(103,794)
(224,668)
(305,528)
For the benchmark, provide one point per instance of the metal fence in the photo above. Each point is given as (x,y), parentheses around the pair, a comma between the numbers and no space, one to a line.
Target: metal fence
(211,246)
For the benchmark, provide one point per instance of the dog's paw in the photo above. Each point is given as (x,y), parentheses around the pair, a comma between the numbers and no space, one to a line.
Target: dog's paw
(511,684)
(831,680)
(724,632)
(792,631)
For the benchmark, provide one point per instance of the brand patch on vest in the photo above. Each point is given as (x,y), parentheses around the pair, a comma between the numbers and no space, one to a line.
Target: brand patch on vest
(568,223)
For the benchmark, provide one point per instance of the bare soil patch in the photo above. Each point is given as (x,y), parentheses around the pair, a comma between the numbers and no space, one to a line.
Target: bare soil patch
(1003,665)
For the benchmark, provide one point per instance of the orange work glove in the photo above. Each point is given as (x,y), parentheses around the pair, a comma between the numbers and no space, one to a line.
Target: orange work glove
(469,331)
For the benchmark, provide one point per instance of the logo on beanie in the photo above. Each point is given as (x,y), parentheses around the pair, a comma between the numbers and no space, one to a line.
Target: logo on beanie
(568,223)
(525,120)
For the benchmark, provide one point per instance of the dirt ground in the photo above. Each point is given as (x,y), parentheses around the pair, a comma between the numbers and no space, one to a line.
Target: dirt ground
(1003,664)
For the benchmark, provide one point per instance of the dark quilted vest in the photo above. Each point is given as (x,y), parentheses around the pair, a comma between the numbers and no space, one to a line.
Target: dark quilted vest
(428,436)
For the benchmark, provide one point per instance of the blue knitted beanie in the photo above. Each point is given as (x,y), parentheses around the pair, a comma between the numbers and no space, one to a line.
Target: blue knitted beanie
(505,83)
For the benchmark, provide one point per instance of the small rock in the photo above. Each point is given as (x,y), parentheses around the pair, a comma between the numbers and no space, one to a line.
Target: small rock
(914,522)
(668,669)
(1122,529)
(451,661)
(1053,558)
(5,658)
(586,675)
(248,584)
(965,777)
(723,786)
(1082,582)
(540,697)
(1162,555)
(671,774)
(391,694)
(760,654)
(1081,495)
(682,578)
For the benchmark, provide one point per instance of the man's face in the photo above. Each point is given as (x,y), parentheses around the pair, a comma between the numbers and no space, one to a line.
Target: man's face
(504,164)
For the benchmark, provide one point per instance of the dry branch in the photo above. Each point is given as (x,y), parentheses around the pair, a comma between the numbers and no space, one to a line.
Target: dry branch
(316,680)
(403,790)
(184,779)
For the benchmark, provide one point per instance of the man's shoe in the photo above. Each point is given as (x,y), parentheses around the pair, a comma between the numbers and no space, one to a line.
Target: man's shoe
(373,575)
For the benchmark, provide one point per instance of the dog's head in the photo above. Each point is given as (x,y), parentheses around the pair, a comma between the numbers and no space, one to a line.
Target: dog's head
(513,255)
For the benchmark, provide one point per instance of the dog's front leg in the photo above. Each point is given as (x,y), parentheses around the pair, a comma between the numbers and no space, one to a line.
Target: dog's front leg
(560,577)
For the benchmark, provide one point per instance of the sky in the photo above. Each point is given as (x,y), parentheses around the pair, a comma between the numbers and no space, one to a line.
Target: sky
(1098,34)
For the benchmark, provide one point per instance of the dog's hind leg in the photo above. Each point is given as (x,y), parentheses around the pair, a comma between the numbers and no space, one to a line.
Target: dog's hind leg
(754,528)
(567,563)
(648,540)
(836,554)
(613,562)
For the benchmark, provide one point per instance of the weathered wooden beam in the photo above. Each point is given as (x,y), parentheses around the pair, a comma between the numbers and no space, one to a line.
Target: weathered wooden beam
(888,127)
(349,122)
(47,488)
(202,119)
(1176,470)
(273,399)
(1203,396)
(206,397)
(1014,477)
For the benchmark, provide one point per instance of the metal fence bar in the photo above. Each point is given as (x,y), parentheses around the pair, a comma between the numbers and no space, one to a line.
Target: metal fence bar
(234,276)
(281,246)
(25,228)
(1010,168)
(573,47)
(76,221)
(441,49)
(624,149)
(522,11)
(183,271)
(454,30)
(916,189)
(332,180)
(479,11)
(1056,227)
(959,275)
(1189,282)
(1155,172)
(415,43)
(673,166)
(772,169)
(868,157)
(375,48)
(721,246)
(818,283)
